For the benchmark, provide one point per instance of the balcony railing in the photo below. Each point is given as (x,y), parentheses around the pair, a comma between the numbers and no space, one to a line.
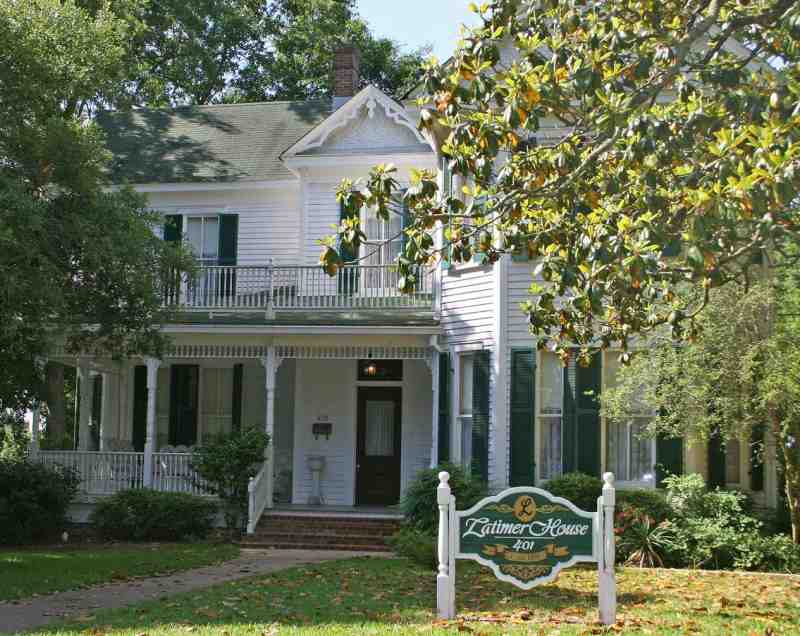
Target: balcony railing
(297,287)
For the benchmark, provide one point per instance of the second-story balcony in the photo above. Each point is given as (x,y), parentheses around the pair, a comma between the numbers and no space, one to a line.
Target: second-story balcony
(287,288)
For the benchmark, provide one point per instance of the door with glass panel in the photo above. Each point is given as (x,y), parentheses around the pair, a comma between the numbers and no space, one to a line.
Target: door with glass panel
(378,446)
(202,234)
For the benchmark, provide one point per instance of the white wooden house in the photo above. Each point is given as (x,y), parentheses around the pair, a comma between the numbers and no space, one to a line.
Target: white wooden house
(362,384)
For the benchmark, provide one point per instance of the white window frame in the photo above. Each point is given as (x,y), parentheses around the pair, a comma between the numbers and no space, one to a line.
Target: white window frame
(456,418)
(204,217)
(538,430)
(604,427)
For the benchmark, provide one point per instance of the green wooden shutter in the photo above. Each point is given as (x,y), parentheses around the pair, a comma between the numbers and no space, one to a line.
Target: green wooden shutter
(669,457)
(226,253)
(228,239)
(581,424)
(716,461)
(236,398)
(173,228)
(183,404)
(348,276)
(480,416)
(523,391)
(139,407)
(588,416)
(569,435)
(757,458)
(97,409)
(444,407)
(173,231)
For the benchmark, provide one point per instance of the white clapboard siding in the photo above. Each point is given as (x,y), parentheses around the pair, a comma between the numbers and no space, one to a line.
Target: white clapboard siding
(416,420)
(467,305)
(271,231)
(321,212)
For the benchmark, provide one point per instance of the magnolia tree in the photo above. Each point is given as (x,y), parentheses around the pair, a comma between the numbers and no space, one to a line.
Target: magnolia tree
(667,122)
(643,153)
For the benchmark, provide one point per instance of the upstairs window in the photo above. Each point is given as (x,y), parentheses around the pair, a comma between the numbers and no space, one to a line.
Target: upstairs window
(202,234)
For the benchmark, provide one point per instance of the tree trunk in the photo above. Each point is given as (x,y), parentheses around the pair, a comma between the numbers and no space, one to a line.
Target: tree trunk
(792,475)
(56,404)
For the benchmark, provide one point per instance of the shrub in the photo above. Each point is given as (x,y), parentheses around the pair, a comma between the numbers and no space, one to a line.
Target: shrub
(775,553)
(644,542)
(226,463)
(579,488)
(653,503)
(419,502)
(141,514)
(33,499)
(418,546)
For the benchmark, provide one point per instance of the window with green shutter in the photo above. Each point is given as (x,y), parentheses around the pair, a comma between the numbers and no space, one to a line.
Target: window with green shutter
(445,375)
(523,423)
(139,407)
(480,416)
(582,416)
(669,457)
(236,397)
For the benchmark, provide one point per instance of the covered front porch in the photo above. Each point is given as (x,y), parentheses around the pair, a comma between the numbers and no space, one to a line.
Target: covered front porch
(351,418)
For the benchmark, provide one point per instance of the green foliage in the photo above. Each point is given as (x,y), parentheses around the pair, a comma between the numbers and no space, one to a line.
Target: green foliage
(148,515)
(642,540)
(771,553)
(226,463)
(14,438)
(58,62)
(420,547)
(652,503)
(33,500)
(578,488)
(419,501)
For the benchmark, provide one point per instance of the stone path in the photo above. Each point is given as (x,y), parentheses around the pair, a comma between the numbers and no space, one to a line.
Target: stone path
(26,614)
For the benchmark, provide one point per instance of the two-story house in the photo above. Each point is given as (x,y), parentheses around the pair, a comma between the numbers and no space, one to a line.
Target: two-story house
(358,385)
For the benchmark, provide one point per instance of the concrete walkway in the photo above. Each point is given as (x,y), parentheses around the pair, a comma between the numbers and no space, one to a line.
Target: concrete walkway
(27,614)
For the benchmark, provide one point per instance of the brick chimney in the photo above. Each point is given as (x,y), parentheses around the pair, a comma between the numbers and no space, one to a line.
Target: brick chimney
(346,78)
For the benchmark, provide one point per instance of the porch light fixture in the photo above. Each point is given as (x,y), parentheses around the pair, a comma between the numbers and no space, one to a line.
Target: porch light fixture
(371,369)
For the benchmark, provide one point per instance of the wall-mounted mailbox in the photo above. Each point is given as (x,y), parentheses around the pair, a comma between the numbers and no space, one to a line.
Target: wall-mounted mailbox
(322,428)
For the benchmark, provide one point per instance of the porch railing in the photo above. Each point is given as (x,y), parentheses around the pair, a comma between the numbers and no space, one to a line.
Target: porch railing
(172,472)
(258,493)
(298,287)
(100,472)
(107,472)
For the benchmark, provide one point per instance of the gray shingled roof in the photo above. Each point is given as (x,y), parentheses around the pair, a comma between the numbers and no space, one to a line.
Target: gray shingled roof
(226,142)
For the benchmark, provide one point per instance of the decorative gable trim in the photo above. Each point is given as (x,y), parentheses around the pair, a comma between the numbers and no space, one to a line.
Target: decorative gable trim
(369,97)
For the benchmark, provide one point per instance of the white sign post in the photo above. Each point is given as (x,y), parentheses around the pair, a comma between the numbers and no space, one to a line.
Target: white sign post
(526,536)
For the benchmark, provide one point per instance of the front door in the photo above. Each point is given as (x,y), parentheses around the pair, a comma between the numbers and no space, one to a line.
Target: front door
(184,379)
(378,446)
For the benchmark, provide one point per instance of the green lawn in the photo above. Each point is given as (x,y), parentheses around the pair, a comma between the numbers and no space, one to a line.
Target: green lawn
(27,572)
(391,596)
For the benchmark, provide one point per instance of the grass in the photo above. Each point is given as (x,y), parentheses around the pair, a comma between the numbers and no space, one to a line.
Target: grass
(34,571)
(392,596)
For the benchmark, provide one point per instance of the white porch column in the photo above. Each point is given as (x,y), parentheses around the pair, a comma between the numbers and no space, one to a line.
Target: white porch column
(85,411)
(105,410)
(271,363)
(150,440)
(434,366)
(33,447)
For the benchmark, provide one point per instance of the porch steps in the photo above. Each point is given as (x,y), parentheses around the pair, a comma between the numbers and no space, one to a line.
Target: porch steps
(323,532)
